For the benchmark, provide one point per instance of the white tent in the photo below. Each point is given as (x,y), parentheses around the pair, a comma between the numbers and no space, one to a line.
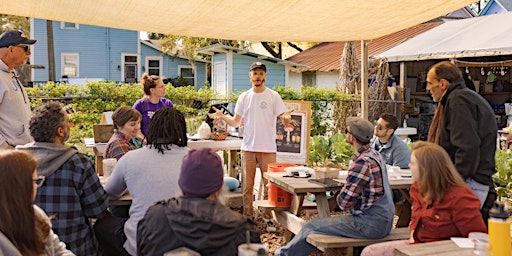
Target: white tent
(262,20)
(482,36)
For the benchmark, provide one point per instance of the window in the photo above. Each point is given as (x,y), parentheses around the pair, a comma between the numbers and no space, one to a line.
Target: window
(309,78)
(70,64)
(186,73)
(129,68)
(68,25)
(154,66)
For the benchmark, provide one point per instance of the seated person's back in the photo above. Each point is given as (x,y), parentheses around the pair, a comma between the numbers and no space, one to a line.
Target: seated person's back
(196,220)
(72,192)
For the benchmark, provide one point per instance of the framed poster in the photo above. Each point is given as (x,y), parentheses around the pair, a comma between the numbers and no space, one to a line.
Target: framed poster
(292,140)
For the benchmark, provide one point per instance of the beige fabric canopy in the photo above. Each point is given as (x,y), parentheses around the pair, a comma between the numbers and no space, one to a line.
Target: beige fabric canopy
(260,20)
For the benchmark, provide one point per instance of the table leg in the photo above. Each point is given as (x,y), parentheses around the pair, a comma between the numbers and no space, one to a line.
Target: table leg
(322,205)
(403,210)
(232,163)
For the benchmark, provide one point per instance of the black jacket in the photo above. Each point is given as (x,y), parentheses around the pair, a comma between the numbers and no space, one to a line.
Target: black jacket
(201,225)
(468,132)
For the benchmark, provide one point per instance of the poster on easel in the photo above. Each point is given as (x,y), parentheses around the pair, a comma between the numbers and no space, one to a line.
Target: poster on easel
(292,140)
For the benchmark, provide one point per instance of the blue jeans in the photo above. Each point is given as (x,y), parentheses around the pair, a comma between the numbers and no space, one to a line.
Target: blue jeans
(372,224)
(480,190)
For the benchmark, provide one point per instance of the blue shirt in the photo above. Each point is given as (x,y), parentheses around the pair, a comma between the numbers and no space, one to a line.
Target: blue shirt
(394,152)
(70,196)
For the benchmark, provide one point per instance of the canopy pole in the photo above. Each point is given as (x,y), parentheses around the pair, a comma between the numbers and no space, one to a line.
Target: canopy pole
(364,79)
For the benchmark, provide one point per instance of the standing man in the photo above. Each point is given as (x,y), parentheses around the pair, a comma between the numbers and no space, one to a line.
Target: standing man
(259,107)
(14,104)
(71,193)
(464,125)
(393,149)
(366,194)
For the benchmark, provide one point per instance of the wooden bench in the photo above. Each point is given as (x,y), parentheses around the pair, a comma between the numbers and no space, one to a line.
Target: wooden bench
(336,245)
(265,205)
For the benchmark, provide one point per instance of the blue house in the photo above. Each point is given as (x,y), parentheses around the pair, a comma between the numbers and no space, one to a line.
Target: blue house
(230,68)
(84,52)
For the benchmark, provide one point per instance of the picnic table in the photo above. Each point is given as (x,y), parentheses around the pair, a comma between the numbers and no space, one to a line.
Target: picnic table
(300,187)
(440,248)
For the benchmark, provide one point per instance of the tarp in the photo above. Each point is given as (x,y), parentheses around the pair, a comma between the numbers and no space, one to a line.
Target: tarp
(475,37)
(262,20)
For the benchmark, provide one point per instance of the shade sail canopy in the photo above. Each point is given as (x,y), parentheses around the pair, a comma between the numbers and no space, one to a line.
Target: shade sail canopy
(263,20)
(482,36)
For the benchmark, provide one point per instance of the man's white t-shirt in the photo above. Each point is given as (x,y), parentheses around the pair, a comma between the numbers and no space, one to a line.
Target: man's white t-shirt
(260,111)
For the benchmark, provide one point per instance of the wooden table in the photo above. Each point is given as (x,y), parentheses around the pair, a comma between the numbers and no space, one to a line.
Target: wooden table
(299,187)
(125,199)
(232,144)
(441,248)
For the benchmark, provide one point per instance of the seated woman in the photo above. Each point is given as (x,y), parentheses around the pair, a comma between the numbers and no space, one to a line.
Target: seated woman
(24,228)
(443,206)
(198,219)
(127,126)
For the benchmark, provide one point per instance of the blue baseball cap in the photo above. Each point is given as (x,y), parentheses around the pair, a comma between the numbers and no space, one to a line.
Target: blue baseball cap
(14,37)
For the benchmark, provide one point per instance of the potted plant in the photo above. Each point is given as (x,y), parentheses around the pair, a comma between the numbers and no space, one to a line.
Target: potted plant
(327,156)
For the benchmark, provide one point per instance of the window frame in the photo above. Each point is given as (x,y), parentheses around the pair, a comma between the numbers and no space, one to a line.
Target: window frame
(160,60)
(63,26)
(63,65)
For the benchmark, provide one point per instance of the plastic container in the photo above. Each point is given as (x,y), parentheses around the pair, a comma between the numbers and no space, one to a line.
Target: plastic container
(499,230)
(276,196)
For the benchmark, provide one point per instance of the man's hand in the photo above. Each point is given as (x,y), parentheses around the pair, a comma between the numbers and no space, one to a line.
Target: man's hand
(217,115)
(286,117)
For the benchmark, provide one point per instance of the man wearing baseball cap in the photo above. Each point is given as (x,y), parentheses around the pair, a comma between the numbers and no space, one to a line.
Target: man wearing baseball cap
(367,195)
(259,108)
(14,103)
(197,220)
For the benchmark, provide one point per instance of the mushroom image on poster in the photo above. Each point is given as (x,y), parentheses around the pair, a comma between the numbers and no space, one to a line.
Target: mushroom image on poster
(289,137)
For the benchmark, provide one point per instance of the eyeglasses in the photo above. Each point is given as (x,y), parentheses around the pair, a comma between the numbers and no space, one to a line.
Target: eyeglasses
(380,128)
(24,47)
(39,181)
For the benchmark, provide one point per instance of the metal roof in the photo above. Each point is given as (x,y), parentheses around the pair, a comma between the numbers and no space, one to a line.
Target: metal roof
(326,56)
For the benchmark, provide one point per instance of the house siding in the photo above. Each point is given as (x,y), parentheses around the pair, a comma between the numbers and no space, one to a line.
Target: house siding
(99,49)
(100,53)
(241,65)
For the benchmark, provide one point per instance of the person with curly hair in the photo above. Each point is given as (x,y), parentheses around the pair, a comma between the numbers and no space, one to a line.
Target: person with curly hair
(72,191)
(150,174)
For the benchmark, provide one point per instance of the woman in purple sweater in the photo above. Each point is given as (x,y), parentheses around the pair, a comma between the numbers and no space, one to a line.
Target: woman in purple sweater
(153,100)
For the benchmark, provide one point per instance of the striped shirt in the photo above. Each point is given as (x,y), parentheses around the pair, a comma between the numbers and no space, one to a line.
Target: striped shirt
(364,185)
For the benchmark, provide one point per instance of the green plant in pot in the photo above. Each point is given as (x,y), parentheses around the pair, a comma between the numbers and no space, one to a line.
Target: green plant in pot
(328,155)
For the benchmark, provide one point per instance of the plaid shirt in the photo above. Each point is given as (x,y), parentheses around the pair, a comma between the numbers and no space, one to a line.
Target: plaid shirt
(118,145)
(364,184)
(70,196)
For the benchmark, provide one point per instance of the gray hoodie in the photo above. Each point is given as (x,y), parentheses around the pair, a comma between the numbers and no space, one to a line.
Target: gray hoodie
(50,156)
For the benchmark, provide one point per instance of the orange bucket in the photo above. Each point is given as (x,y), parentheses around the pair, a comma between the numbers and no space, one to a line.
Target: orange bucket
(276,196)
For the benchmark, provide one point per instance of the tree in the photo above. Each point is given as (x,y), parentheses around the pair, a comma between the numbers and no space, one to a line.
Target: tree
(188,46)
(276,48)
(10,22)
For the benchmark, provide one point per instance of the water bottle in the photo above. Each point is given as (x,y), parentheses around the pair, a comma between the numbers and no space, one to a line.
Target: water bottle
(499,230)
